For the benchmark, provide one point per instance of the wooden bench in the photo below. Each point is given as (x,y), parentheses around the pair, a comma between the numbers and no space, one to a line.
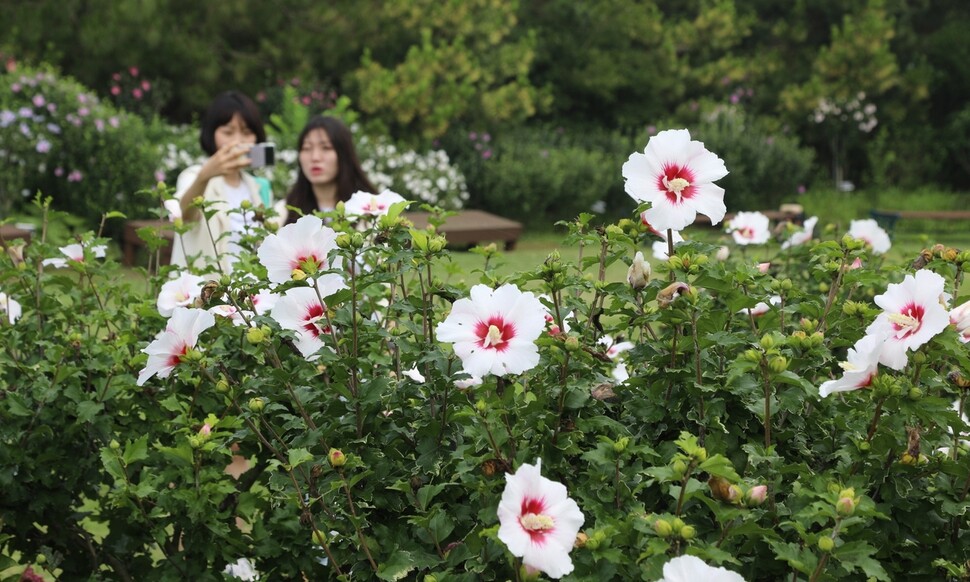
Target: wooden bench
(131,242)
(887,219)
(10,232)
(468,227)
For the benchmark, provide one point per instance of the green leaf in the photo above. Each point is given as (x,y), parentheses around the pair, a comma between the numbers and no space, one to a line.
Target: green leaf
(136,450)
(87,410)
(397,566)
(858,555)
(299,456)
(720,466)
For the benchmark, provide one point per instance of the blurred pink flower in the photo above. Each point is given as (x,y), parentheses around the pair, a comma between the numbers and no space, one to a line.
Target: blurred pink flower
(960,319)
(75,176)
(133,71)
(115,90)
(179,292)
(749,228)
(136,93)
(367,204)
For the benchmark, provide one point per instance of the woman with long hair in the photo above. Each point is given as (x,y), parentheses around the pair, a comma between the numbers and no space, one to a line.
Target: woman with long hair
(329,173)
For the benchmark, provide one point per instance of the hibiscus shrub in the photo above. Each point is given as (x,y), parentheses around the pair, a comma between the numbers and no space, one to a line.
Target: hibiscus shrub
(333,409)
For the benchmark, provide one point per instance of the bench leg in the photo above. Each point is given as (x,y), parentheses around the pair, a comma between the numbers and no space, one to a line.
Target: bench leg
(510,245)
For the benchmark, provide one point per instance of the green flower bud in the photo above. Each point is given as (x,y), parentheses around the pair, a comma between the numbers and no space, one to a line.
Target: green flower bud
(768,341)
(342,241)
(436,244)
(480,406)
(614,230)
(114,445)
(336,458)
(677,524)
(826,544)
(915,393)
(195,441)
(319,538)
(663,528)
(298,275)
(678,468)
(572,343)
(753,356)
(701,454)
(245,204)
(222,386)
(255,335)
(256,404)
(817,338)
(192,355)
(620,445)
(688,532)
(778,364)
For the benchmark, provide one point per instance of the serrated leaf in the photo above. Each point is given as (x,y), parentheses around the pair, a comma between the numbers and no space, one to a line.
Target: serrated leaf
(136,450)
(297,457)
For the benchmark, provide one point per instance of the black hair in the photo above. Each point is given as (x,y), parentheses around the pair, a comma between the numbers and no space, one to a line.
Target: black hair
(350,176)
(221,111)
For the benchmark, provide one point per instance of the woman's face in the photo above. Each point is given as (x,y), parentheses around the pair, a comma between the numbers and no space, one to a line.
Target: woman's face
(318,159)
(234,132)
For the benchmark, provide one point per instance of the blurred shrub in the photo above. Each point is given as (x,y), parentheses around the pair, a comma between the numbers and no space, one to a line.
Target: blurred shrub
(539,175)
(767,168)
(59,138)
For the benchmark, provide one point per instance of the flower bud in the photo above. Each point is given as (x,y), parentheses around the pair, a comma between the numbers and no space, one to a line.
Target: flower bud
(722,254)
(336,458)
(663,528)
(343,240)
(639,272)
(255,335)
(753,356)
(915,393)
(767,341)
(222,386)
(114,445)
(256,404)
(688,532)
(195,441)
(572,343)
(620,445)
(826,544)
(845,506)
(480,406)
(192,355)
(581,539)
(319,538)
(206,431)
(677,524)
(436,243)
(298,275)
(778,364)
(678,468)
(757,495)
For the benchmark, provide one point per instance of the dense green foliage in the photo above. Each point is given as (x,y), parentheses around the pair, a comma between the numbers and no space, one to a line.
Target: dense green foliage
(105,478)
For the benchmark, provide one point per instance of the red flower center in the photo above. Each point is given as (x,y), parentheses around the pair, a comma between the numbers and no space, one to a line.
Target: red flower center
(532,519)
(313,323)
(907,320)
(677,182)
(495,333)
(175,358)
(309,258)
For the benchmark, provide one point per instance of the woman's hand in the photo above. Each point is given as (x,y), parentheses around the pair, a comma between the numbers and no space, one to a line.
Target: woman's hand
(227,159)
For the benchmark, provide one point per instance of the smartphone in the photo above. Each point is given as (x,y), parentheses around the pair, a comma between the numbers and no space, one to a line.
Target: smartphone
(262,155)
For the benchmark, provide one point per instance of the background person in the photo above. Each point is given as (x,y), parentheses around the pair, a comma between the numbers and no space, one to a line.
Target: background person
(230,127)
(329,173)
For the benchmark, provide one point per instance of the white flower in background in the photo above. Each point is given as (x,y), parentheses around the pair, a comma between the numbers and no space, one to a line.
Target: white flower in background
(305,245)
(10,307)
(749,228)
(660,247)
(74,252)
(860,367)
(469,382)
(676,176)
(614,349)
(173,208)
(539,521)
(960,319)
(870,232)
(495,331)
(179,292)
(367,204)
(181,335)
(802,236)
(414,375)
(689,568)
(761,307)
(242,569)
(301,310)
(913,313)
(229,312)
(264,301)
